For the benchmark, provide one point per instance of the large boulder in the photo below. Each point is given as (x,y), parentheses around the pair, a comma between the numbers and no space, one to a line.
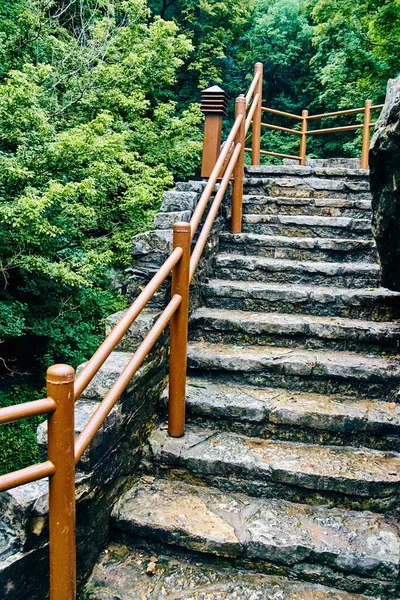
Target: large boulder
(384,161)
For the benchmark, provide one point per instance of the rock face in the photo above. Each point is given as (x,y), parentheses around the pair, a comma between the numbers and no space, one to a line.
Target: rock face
(385,186)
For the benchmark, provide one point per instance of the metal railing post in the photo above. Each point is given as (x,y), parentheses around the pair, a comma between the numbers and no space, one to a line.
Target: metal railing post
(179,334)
(366,135)
(256,128)
(60,388)
(238,173)
(213,105)
(303,139)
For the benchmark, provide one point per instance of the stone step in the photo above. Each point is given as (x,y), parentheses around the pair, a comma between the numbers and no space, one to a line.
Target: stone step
(345,373)
(326,475)
(314,187)
(373,304)
(326,171)
(291,416)
(121,573)
(294,330)
(259,268)
(298,248)
(308,226)
(240,527)
(324,207)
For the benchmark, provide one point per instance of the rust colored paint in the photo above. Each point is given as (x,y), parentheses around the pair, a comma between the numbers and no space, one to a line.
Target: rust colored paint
(303,139)
(238,172)
(60,388)
(256,139)
(179,334)
(366,135)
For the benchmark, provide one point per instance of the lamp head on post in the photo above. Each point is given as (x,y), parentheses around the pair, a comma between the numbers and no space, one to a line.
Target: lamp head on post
(214,103)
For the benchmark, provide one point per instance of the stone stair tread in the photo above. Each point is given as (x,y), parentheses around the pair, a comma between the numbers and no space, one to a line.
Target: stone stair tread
(233,525)
(284,170)
(294,324)
(311,220)
(359,472)
(297,291)
(274,264)
(231,401)
(259,198)
(298,242)
(222,356)
(121,573)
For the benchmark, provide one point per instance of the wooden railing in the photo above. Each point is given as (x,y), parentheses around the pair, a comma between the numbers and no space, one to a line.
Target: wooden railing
(303,132)
(63,388)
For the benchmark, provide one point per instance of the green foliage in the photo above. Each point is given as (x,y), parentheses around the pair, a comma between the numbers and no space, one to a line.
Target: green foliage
(18,440)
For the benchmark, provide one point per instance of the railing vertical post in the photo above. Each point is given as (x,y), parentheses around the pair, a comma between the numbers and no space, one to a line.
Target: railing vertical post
(366,135)
(303,139)
(61,452)
(179,334)
(256,127)
(238,172)
(213,105)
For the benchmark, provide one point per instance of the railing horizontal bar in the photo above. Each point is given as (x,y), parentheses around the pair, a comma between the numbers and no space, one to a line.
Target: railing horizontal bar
(27,409)
(275,154)
(278,128)
(252,87)
(350,111)
(332,129)
(110,399)
(104,351)
(23,476)
(202,240)
(251,112)
(377,106)
(281,113)
(201,206)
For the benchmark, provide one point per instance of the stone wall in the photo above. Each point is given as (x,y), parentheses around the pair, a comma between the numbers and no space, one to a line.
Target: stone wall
(384,161)
(111,462)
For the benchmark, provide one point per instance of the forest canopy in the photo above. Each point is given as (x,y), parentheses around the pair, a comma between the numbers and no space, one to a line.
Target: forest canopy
(99,114)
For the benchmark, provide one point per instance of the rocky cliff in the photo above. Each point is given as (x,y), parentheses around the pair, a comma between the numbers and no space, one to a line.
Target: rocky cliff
(385,186)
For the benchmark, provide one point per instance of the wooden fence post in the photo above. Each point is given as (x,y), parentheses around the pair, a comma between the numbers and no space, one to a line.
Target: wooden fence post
(213,106)
(61,452)
(256,127)
(366,135)
(238,172)
(179,334)
(303,139)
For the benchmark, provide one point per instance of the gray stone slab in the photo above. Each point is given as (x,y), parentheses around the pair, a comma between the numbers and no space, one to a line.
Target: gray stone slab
(294,326)
(344,470)
(121,573)
(166,220)
(232,525)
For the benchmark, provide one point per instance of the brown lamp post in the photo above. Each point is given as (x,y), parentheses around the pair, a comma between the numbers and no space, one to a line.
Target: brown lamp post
(213,105)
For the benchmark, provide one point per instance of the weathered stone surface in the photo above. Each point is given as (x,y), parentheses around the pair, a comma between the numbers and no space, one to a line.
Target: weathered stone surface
(297,416)
(178,201)
(136,332)
(260,268)
(305,225)
(282,469)
(295,330)
(166,220)
(121,573)
(324,207)
(385,185)
(298,248)
(377,304)
(324,372)
(209,521)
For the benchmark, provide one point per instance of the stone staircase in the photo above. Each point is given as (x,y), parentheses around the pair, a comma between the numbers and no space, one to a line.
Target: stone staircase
(290,467)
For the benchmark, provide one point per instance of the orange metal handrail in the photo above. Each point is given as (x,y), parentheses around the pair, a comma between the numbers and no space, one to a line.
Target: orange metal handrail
(63,388)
